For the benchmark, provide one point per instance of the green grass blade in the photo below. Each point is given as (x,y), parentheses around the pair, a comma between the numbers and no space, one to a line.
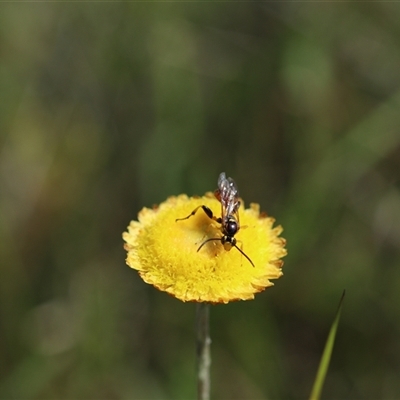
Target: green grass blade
(326,356)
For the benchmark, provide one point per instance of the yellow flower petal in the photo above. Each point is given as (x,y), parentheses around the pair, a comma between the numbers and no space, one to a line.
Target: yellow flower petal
(164,251)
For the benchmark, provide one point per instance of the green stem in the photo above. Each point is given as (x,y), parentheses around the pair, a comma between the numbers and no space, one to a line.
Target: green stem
(203,343)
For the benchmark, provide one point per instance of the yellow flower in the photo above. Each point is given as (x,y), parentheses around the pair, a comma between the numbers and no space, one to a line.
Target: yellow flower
(164,251)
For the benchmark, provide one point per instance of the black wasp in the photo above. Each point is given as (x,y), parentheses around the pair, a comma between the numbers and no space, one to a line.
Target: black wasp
(228,195)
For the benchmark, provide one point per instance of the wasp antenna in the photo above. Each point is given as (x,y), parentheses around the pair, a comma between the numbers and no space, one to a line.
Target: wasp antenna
(208,240)
(251,262)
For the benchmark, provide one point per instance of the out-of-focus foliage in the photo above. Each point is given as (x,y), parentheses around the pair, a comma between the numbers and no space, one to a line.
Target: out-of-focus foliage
(109,107)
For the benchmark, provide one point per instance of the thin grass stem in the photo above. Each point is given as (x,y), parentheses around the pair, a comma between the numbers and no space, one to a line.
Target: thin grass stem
(203,343)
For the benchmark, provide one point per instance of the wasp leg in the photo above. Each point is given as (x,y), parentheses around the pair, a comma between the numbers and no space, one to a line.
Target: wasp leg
(208,212)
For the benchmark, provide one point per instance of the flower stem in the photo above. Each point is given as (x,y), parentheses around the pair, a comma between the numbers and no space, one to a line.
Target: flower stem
(203,343)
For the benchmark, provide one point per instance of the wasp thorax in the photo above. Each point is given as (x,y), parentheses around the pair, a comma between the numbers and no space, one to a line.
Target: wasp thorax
(231,227)
(227,194)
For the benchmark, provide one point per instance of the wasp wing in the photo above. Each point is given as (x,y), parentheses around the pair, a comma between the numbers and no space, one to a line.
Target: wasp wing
(228,195)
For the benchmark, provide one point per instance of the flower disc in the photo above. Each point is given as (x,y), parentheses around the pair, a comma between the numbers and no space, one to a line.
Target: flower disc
(164,251)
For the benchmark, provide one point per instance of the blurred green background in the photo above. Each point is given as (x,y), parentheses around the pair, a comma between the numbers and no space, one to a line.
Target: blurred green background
(109,107)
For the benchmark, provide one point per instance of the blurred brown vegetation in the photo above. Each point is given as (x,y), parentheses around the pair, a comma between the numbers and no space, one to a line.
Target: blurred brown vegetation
(109,107)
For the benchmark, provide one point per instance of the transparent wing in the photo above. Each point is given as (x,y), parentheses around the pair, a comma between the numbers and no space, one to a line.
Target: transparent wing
(228,195)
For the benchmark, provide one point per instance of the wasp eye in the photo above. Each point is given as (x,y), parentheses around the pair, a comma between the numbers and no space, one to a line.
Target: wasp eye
(231,228)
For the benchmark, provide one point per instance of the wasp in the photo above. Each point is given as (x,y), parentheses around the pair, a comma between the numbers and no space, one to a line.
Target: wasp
(228,195)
